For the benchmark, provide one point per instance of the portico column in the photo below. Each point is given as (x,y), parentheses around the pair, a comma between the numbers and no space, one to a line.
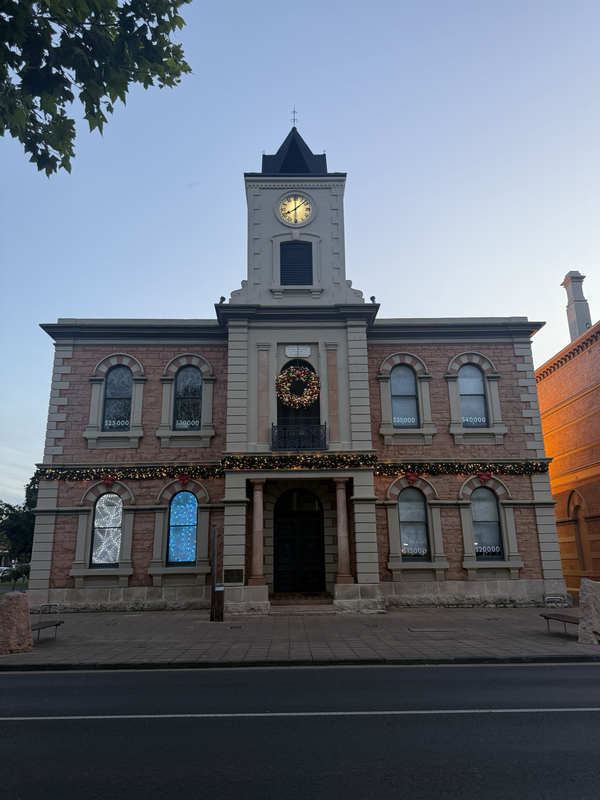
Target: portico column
(344,575)
(257,577)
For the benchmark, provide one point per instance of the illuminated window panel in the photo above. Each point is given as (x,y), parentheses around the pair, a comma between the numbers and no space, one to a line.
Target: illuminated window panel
(183,525)
(106,538)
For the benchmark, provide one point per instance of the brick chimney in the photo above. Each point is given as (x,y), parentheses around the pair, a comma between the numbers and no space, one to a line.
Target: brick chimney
(578,311)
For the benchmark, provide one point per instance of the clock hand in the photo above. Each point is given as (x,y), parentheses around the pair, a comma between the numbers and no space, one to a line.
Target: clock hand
(300,204)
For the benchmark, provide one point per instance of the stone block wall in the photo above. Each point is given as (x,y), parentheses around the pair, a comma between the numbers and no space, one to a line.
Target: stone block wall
(514,401)
(74,393)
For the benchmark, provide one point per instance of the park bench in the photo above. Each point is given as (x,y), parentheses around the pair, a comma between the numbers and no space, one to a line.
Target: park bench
(51,623)
(566,619)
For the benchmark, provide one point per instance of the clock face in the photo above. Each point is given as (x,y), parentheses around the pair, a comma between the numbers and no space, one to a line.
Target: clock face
(295,209)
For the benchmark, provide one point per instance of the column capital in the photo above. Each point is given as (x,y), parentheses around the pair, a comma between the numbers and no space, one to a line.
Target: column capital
(339,482)
(258,481)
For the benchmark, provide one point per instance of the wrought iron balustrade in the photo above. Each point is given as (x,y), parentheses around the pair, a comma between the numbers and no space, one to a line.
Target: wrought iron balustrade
(299,437)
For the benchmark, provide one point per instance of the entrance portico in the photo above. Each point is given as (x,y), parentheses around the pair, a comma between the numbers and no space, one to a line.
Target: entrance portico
(302,531)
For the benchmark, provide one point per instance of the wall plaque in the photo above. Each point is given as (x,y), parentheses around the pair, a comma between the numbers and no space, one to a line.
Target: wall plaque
(233,576)
(297,351)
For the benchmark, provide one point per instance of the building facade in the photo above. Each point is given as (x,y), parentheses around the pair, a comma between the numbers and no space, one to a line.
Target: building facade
(569,391)
(375,462)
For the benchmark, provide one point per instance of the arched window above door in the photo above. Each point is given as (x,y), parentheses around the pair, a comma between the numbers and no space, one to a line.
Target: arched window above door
(299,428)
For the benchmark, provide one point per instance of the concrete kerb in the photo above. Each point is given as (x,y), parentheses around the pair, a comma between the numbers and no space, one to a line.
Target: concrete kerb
(278,664)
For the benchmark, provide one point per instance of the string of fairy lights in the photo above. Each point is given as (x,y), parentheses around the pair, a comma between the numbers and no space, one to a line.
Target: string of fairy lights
(302,461)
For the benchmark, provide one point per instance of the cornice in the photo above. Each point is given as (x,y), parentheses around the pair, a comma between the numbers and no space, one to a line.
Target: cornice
(132,330)
(507,328)
(364,312)
(576,348)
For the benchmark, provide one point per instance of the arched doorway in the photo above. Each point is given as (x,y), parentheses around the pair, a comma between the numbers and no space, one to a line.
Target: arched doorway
(298,543)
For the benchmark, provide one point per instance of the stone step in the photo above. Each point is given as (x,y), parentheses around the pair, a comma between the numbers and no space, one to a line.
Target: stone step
(301,609)
(298,599)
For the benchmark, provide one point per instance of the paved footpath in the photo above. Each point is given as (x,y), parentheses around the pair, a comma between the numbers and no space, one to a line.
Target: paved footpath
(177,639)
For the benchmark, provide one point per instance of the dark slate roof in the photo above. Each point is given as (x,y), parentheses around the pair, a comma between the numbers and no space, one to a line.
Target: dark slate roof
(294,157)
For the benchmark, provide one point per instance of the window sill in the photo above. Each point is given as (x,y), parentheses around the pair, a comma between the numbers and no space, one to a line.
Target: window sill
(425,570)
(105,576)
(408,436)
(170,438)
(493,435)
(199,571)
(105,440)
(479,570)
(87,572)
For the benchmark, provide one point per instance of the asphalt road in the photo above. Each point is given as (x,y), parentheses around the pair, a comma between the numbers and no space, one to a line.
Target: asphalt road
(504,733)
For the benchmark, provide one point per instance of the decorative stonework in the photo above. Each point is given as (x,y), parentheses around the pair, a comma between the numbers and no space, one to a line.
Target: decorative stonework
(405,436)
(567,355)
(479,359)
(186,438)
(98,439)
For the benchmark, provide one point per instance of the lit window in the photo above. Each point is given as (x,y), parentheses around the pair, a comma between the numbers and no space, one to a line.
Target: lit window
(106,538)
(486,524)
(188,399)
(473,406)
(412,513)
(405,407)
(117,399)
(183,523)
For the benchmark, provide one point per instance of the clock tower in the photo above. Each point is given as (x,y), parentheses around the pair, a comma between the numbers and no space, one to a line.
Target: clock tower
(296,250)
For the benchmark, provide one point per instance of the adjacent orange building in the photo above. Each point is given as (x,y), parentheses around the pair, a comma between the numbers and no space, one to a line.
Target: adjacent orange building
(568,387)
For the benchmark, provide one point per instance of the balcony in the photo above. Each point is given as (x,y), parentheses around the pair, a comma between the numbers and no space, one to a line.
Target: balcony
(299,437)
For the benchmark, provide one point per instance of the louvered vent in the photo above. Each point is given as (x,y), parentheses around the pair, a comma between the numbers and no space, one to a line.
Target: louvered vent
(294,162)
(296,264)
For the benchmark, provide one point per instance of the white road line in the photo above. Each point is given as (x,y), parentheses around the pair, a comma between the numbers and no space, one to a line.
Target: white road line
(267,714)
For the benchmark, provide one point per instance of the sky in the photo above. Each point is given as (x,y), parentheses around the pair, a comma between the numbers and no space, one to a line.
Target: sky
(469,130)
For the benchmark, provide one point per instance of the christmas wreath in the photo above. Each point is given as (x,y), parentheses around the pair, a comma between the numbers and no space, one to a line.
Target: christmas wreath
(311,389)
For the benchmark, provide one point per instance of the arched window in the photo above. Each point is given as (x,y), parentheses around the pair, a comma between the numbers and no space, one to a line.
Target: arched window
(309,415)
(188,399)
(183,526)
(414,535)
(117,399)
(106,536)
(473,406)
(486,524)
(405,405)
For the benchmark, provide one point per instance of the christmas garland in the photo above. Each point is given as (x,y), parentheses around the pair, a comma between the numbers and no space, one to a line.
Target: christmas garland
(301,461)
(395,468)
(283,384)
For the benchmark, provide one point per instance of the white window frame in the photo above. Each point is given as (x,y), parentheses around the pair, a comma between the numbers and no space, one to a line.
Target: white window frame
(97,439)
(478,569)
(84,574)
(405,436)
(407,569)
(168,436)
(159,571)
(496,429)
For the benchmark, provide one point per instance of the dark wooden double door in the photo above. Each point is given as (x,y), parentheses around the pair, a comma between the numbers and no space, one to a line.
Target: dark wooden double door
(299,552)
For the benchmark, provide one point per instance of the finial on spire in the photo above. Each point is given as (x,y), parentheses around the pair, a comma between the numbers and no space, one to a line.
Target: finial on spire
(294,118)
